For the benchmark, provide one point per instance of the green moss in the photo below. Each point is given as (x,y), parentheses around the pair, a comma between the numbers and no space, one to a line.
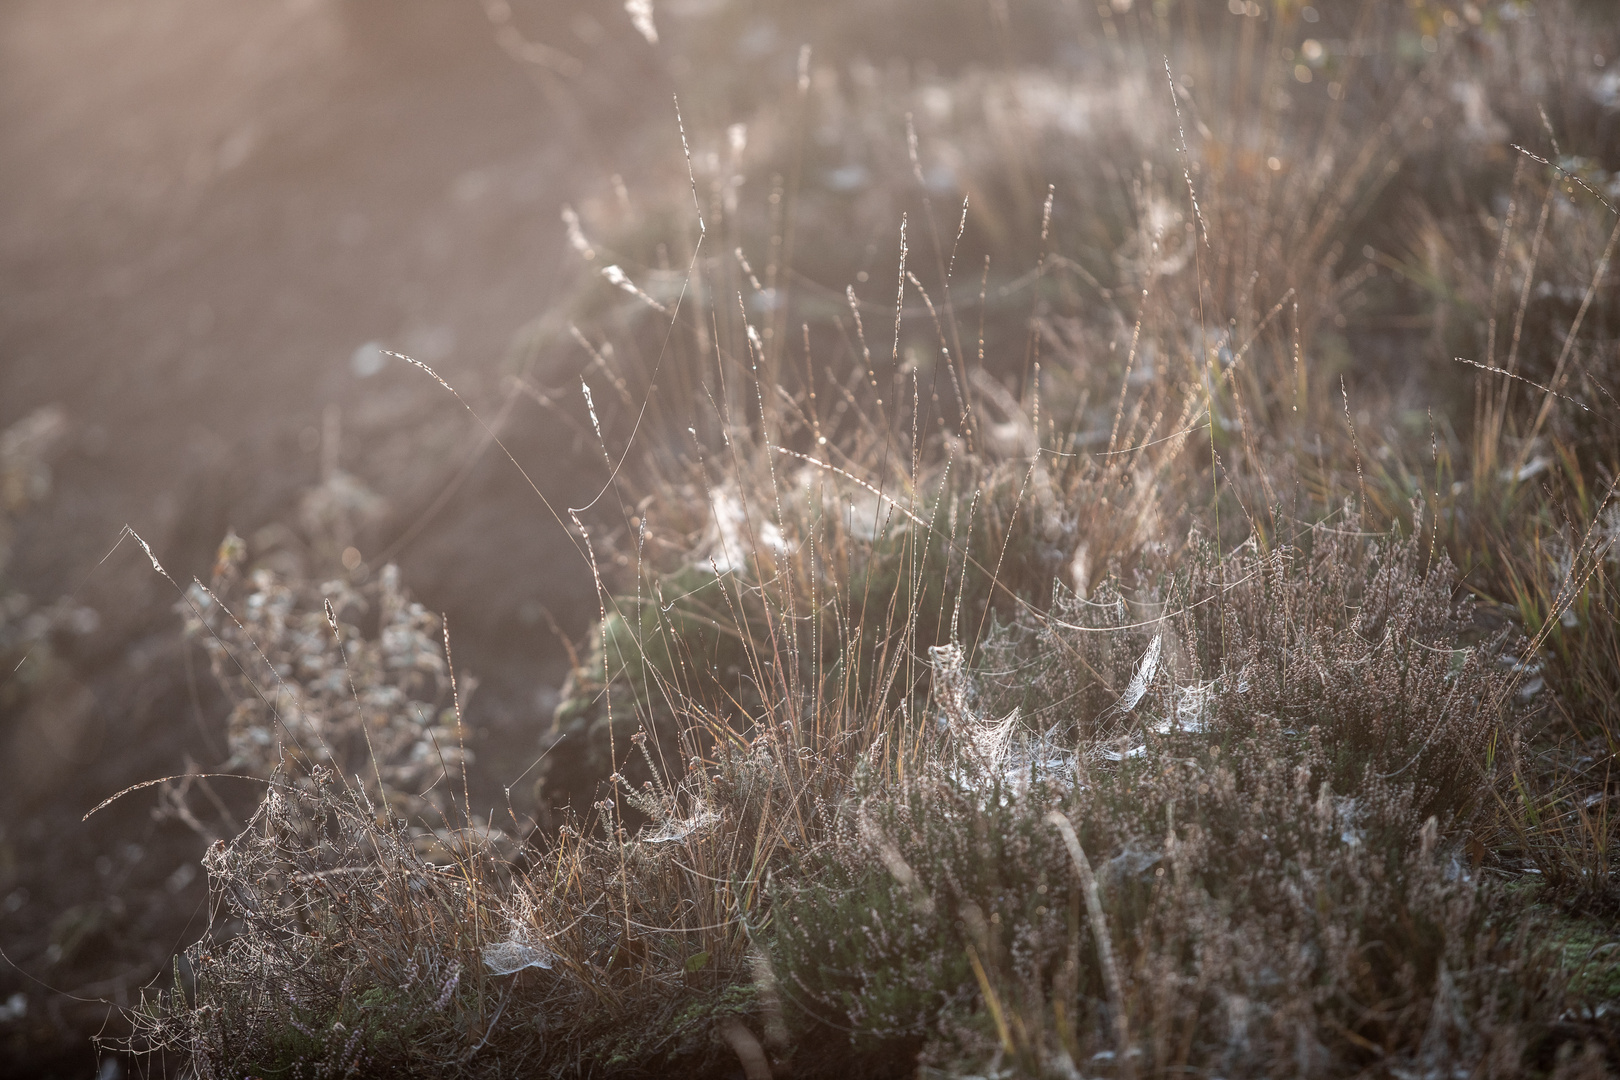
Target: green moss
(1587,947)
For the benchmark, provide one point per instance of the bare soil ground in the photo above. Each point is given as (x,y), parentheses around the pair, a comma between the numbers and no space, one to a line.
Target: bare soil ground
(207,210)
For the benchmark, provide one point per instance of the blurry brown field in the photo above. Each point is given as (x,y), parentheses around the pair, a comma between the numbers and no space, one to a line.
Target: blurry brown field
(1105,554)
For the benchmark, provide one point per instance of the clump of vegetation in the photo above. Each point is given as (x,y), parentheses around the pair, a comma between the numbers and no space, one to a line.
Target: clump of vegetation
(1099,668)
(1276,803)
(312,688)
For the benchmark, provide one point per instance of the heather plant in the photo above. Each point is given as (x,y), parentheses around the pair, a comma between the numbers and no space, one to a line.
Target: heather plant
(348,953)
(311,688)
(1328,695)
(1243,922)
(347,678)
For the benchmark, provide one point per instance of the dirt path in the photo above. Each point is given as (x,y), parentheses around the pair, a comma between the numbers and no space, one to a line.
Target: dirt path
(205,211)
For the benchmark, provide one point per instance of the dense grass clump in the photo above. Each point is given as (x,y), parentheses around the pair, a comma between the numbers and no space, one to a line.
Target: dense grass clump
(1113,637)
